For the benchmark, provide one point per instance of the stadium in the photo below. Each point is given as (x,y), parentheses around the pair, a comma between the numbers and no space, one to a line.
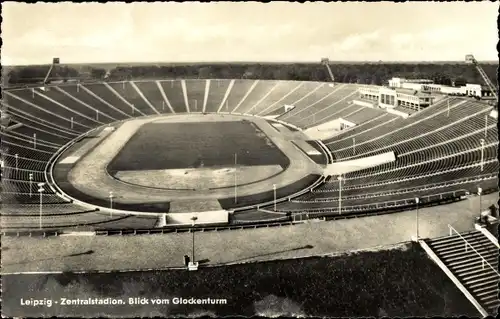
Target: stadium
(249,189)
(159,156)
(145,154)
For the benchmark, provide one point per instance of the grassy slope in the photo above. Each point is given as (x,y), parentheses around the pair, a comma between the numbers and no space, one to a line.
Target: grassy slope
(395,282)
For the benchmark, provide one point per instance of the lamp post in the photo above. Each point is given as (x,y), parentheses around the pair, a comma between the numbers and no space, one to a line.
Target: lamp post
(72,122)
(482,154)
(354,145)
(479,192)
(340,194)
(193,221)
(17,158)
(274,191)
(111,204)
(417,200)
(40,190)
(485,125)
(34,140)
(31,183)
(235,182)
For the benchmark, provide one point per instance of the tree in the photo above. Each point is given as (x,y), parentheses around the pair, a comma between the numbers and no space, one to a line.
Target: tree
(363,73)
(459,81)
(12,77)
(204,72)
(97,73)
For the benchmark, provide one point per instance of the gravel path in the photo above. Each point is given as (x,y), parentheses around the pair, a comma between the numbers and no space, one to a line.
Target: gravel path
(162,251)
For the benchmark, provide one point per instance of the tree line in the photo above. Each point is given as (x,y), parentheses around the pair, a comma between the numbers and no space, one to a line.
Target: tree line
(367,73)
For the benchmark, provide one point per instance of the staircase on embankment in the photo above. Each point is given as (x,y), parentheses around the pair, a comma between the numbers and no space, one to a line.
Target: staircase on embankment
(473,259)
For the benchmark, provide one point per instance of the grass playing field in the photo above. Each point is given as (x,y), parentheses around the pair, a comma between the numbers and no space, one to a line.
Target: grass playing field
(390,283)
(158,146)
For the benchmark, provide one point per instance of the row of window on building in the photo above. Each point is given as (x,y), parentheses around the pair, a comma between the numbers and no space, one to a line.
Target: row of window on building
(422,85)
(416,94)
(387,97)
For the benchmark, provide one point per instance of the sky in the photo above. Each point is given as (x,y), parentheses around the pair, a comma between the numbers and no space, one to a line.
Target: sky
(247,31)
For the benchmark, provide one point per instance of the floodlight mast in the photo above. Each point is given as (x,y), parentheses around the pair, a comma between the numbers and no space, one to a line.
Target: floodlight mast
(54,62)
(326,63)
(469,59)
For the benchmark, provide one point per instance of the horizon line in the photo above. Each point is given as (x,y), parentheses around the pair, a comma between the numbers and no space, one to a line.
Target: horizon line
(256,62)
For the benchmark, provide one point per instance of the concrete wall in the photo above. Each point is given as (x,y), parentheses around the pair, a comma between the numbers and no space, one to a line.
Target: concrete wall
(451,90)
(205,218)
(363,103)
(327,130)
(494,114)
(333,125)
(358,164)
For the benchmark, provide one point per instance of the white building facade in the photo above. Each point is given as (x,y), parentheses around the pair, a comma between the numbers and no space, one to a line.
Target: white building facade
(391,98)
(428,86)
(413,84)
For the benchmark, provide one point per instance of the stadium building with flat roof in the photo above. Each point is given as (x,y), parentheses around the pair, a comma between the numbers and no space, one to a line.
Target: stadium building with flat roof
(394,97)
(428,86)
